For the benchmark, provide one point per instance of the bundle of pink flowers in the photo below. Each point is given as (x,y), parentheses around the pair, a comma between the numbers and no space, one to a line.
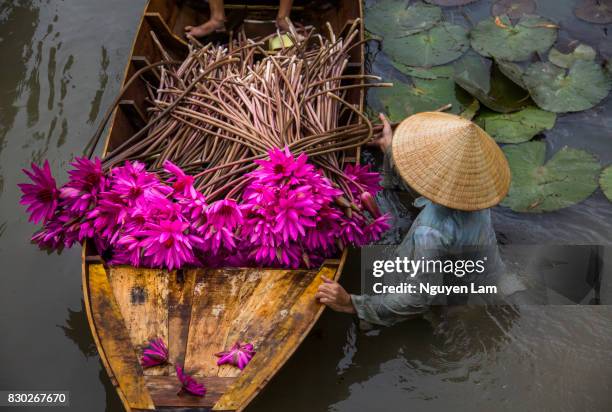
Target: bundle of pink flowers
(289,214)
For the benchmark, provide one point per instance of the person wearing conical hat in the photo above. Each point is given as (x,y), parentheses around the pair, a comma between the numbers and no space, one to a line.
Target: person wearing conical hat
(460,173)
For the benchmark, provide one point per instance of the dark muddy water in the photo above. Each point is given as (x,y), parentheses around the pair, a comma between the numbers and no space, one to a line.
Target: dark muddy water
(62,63)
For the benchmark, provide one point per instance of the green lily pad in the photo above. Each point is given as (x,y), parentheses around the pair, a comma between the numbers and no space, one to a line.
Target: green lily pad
(432,73)
(516,127)
(403,100)
(450,3)
(439,45)
(581,52)
(594,11)
(499,38)
(513,8)
(605,182)
(512,71)
(394,18)
(569,177)
(488,84)
(558,90)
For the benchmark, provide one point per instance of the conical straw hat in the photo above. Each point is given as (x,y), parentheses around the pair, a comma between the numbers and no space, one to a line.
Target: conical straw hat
(451,161)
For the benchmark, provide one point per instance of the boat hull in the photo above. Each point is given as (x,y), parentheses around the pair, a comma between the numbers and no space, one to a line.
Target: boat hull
(202,311)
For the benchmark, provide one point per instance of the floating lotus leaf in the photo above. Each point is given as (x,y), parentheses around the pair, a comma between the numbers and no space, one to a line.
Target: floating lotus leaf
(569,177)
(432,73)
(512,71)
(559,90)
(402,99)
(581,52)
(516,127)
(498,38)
(594,11)
(605,182)
(441,44)
(488,84)
(394,18)
(513,8)
(450,3)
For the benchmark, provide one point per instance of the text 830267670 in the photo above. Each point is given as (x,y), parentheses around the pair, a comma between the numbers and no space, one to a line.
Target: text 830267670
(34,398)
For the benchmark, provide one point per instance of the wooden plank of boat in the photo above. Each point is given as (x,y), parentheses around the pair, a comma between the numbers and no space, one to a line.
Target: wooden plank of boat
(112,331)
(180,298)
(201,311)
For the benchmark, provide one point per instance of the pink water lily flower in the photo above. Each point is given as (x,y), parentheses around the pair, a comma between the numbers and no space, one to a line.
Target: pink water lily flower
(87,180)
(193,206)
(224,214)
(189,384)
(295,212)
(279,166)
(51,236)
(239,355)
(132,182)
(181,182)
(361,176)
(75,200)
(154,354)
(323,235)
(167,244)
(377,227)
(108,216)
(87,175)
(352,231)
(216,240)
(40,196)
(128,251)
(62,230)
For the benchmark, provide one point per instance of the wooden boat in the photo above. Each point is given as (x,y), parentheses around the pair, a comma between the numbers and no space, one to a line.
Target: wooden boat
(199,312)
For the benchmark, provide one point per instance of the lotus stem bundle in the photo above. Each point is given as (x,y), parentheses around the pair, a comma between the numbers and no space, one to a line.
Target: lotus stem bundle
(226,106)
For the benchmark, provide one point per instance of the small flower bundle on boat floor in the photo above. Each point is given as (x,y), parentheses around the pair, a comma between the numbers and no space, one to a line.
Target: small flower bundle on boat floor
(242,163)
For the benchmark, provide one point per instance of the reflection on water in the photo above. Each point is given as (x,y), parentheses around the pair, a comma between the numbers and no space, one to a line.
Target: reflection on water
(77,330)
(103,80)
(481,358)
(18,23)
(62,64)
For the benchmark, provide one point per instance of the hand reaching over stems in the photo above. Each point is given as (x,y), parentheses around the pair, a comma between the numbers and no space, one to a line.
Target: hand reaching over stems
(384,139)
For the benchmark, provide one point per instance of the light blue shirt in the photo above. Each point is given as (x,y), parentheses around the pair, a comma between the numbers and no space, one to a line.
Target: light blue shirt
(435,234)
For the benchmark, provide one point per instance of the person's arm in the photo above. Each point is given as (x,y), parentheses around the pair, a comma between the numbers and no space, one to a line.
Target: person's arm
(390,178)
(388,309)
